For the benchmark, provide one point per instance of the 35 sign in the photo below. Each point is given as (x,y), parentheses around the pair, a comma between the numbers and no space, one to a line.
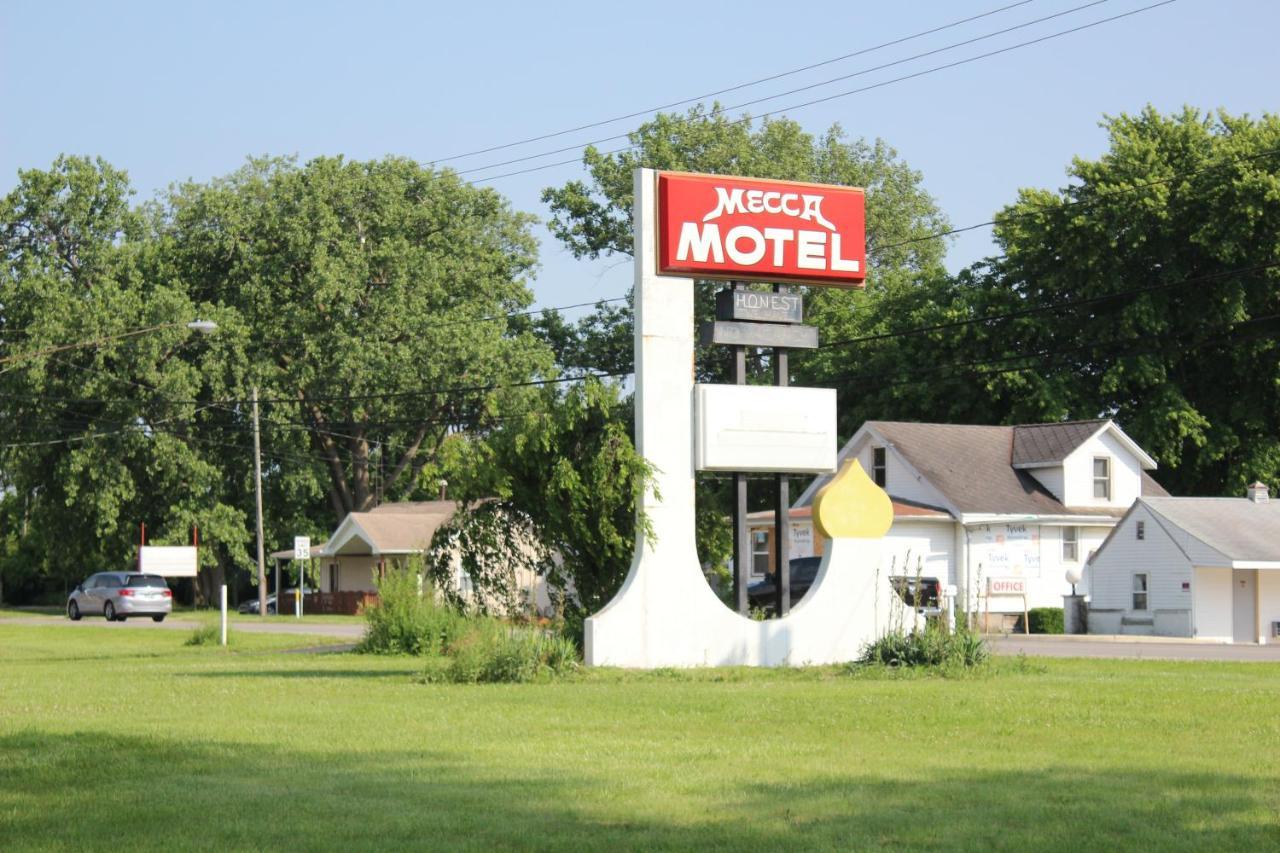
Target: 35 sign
(712,226)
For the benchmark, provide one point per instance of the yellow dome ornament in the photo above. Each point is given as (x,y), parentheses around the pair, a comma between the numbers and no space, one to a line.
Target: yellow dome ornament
(851,506)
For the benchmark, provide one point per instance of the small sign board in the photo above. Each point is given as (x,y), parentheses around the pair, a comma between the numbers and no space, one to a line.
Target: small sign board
(170,561)
(759,307)
(302,547)
(762,428)
(786,336)
(1006,586)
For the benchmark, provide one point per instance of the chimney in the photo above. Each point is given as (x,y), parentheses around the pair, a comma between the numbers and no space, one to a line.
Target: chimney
(1258,493)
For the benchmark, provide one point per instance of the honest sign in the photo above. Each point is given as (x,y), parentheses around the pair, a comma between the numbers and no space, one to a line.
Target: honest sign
(712,226)
(759,307)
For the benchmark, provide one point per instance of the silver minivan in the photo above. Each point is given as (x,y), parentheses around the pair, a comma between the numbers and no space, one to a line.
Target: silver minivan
(119,595)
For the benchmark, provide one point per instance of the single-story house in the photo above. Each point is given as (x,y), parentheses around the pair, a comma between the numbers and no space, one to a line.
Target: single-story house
(365,544)
(989,509)
(1191,567)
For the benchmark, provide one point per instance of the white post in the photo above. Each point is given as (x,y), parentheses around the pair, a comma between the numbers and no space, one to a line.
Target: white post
(297,595)
(222,604)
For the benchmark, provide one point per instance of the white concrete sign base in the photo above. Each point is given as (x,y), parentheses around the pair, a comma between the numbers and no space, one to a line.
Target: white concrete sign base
(666,614)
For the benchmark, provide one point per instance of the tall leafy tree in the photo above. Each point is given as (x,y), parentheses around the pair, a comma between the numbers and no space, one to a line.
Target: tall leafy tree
(100,384)
(371,297)
(1186,208)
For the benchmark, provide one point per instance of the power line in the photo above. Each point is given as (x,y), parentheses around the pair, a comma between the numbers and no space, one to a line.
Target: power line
(797,90)
(1055,306)
(848,93)
(734,88)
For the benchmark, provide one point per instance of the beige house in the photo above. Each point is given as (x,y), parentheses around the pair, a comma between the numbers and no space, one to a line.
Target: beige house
(366,544)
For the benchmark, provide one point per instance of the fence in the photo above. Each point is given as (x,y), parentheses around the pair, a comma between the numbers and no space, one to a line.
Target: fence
(339,603)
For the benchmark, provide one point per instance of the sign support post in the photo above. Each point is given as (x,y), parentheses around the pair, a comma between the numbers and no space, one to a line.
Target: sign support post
(782,502)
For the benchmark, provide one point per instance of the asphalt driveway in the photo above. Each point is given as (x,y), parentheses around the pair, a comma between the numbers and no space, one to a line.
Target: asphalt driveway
(1152,648)
(271,625)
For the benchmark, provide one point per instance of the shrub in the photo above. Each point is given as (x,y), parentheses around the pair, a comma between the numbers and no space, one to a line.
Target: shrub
(1045,620)
(931,647)
(493,653)
(407,619)
(209,635)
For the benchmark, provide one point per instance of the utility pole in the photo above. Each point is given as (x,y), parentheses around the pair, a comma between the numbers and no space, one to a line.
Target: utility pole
(257,488)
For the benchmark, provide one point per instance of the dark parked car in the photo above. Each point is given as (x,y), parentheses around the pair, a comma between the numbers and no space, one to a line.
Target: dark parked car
(804,570)
(119,595)
(929,600)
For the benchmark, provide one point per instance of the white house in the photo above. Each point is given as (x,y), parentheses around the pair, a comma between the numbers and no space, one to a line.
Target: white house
(1191,567)
(983,506)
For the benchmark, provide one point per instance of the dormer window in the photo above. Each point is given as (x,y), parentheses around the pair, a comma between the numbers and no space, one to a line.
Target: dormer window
(878,471)
(1102,477)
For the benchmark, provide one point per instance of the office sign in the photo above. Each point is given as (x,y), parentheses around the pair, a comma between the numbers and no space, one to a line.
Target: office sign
(1006,586)
(712,226)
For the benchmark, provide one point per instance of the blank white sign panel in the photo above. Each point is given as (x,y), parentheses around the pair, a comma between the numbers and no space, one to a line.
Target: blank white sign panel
(760,428)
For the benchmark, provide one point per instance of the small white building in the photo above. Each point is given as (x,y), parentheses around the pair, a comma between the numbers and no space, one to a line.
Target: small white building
(988,507)
(1207,568)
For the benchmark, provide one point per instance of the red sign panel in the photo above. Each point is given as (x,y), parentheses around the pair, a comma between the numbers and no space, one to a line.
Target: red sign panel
(711,226)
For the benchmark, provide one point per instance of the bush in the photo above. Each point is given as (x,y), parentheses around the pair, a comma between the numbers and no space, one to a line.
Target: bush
(1045,620)
(494,653)
(932,647)
(407,619)
(209,635)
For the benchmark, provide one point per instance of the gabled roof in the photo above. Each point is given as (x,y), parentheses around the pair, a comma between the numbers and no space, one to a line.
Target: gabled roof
(1049,444)
(390,529)
(971,467)
(1238,528)
(1044,445)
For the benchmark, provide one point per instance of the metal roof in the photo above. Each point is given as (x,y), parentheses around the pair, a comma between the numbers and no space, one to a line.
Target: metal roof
(1240,529)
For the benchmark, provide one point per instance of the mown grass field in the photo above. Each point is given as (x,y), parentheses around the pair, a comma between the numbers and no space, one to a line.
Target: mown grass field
(127,739)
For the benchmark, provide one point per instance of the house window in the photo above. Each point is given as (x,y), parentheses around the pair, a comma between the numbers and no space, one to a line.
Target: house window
(759,552)
(878,466)
(1070,544)
(1142,530)
(1140,591)
(1102,477)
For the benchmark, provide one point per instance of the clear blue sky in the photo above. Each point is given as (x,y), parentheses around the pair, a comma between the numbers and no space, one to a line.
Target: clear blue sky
(171,91)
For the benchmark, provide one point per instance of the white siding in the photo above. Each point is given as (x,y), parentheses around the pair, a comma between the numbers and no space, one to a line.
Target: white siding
(1050,478)
(900,480)
(1110,576)
(1213,604)
(922,545)
(1046,582)
(1126,473)
(1269,602)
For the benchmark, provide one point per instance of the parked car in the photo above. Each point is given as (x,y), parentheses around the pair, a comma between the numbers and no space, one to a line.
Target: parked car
(119,595)
(929,600)
(762,593)
(251,606)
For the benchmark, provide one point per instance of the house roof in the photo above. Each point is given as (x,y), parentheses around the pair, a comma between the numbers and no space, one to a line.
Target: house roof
(1240,529)
(398,528)
(901,509)
(1049,444)
(972,466)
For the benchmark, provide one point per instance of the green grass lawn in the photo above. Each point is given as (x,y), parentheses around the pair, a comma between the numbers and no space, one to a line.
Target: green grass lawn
(124,739)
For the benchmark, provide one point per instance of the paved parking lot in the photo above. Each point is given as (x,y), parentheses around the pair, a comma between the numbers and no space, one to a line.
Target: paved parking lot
(1155,648)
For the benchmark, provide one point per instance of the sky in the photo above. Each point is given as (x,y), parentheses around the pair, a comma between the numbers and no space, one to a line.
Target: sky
(176,91)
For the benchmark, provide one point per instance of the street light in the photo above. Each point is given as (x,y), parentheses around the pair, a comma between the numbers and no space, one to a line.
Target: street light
(204,327)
